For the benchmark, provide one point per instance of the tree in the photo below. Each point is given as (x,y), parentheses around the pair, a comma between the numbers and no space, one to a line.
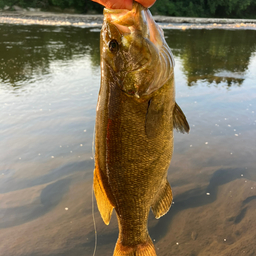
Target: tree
(231,8)
(24,3)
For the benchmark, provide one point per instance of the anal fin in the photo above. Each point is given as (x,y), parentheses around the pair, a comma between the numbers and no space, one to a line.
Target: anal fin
(104,205)
(180,122)
(163,200)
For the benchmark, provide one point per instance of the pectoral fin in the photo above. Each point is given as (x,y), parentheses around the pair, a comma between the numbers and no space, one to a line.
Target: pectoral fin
(180,122)
(163,200)
(154,118)
(104,205)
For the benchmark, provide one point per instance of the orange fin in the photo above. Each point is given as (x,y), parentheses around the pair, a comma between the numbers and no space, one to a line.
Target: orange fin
(163,200)
(144,249)
(104,205)
(180,122)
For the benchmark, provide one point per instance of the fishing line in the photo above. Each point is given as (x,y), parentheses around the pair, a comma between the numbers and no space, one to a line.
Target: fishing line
(94,224)
(93,139)
(93,217)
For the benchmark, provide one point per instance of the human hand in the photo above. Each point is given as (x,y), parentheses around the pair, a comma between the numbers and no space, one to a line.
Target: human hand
(123,4)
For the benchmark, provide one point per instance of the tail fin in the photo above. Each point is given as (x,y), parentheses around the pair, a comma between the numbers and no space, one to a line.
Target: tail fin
(144,249)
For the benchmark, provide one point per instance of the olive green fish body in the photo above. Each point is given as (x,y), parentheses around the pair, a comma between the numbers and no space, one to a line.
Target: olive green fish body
(134,128)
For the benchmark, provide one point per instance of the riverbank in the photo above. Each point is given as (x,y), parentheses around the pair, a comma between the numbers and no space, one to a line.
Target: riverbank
(61,19)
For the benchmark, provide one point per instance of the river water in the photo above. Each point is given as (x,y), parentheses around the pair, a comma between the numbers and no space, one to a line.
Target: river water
(49,83)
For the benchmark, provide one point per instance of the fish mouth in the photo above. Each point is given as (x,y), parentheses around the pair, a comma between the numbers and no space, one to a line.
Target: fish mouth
(128,21)
(144,62)
(119,16)
(137,19)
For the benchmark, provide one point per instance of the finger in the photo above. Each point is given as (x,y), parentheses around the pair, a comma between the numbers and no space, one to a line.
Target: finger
(114,4)
(146,3)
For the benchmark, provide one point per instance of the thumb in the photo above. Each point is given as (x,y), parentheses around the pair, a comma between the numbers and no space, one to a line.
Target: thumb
(146,3)
(115,4)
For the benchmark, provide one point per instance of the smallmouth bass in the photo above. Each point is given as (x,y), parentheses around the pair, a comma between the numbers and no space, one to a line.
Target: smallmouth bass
(136,114)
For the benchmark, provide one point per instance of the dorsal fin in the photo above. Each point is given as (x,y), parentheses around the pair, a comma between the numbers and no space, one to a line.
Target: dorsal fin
(180,122)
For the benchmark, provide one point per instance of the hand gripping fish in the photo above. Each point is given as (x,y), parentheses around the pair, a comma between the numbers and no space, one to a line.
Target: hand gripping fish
(136,114)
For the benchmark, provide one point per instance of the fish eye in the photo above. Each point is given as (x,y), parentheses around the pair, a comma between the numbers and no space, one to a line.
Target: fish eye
(113,45)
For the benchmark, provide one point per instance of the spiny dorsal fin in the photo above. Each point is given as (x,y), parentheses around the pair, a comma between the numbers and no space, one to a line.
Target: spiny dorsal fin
(104,205)
(163,200)
(180,122)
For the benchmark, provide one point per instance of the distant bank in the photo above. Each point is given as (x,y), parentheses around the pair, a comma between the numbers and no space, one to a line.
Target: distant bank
(87,20)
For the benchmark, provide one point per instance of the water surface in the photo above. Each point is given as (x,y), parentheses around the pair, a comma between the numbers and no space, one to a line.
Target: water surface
(49,82)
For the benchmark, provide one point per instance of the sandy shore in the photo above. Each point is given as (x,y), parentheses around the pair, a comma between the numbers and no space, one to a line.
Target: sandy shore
(57,19)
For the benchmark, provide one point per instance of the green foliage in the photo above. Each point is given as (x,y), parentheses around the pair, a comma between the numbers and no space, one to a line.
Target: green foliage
(82,6)
(24,3)
(231,8)
(185,8)
(67,3)
(206,8)
(2,4)
(204,53)
(92,7)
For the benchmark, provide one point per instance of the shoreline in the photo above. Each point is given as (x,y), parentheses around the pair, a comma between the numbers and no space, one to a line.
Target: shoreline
(95,20)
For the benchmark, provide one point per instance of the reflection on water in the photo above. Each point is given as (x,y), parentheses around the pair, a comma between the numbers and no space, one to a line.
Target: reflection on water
(28,52)
(49,81)
(212,55)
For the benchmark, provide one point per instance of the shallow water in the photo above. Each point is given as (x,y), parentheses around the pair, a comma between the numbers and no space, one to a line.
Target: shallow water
(49,82)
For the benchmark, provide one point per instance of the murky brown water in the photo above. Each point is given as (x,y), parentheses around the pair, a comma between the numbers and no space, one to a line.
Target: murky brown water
(49,82)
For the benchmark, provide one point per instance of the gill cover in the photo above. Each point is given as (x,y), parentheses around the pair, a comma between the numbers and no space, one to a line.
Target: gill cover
(135,51)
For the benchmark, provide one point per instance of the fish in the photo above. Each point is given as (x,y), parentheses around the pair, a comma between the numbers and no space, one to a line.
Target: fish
(135,117)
